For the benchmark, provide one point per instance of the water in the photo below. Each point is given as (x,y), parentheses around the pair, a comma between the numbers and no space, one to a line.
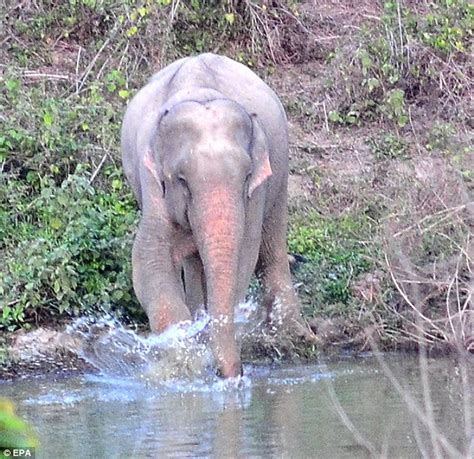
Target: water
(158,397)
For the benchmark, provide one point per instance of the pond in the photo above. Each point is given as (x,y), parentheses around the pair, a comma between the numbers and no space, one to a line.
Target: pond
(347,407)
(158,396)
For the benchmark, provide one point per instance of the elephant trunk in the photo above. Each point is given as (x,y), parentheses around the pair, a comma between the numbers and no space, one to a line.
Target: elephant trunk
(218,228)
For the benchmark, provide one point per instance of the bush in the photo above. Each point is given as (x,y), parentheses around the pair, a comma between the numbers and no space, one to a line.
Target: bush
(14,432)
(66,248)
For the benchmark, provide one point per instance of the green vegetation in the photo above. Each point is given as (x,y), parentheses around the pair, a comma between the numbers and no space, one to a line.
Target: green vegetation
(388,146)
(401,58)
(336,254)
(67,247)
(14,432)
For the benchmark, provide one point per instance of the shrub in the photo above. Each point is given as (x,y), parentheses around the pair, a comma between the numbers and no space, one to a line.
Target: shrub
(66,248)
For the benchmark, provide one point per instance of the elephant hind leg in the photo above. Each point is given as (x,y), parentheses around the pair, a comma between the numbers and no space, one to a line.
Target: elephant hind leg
(274,271)
(280,300)
(194,283)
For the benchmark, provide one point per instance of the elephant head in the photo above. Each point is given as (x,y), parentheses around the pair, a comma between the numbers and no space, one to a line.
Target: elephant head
(209,158)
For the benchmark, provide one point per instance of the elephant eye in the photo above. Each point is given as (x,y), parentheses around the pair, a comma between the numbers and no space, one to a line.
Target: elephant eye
(182,181)
(163,187)
(248,177)
(247,183)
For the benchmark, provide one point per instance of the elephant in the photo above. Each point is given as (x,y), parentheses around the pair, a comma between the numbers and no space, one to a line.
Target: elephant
(205,150)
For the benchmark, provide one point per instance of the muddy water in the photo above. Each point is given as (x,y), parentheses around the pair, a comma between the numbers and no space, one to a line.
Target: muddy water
(280,411)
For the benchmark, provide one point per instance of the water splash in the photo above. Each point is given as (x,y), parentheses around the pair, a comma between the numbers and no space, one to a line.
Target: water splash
(181,352)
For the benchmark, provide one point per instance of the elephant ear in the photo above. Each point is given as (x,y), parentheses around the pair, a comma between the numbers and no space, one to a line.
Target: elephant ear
(152,167)
(260,159)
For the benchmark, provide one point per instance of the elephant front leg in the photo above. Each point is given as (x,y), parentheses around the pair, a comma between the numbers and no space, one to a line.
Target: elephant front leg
(156,279)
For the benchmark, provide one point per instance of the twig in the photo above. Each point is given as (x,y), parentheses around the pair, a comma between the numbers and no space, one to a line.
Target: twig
(98,168)
(400,30)
(47,76)
(78,60)
(89,68)
(410,303)
(454,210)
(11,303)
(427,337)
(419,440)
(326,122)
(413,405)
(460,248)
(174,9)
(428,402)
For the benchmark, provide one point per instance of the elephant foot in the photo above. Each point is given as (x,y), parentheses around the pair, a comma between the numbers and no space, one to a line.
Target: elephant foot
(302,331)
(294,329)
(233,371)
(287,321)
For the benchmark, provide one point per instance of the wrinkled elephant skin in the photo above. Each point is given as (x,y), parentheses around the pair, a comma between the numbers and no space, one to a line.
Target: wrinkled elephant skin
(205,150)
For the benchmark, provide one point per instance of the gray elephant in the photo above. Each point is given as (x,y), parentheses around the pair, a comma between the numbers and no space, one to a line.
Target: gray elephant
(205,149)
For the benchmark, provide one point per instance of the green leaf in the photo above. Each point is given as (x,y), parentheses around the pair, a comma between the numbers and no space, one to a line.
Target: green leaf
(396,98)
(132,31)
(12,85)
(123,93)
(55,223)
(365,60)
(402,120)
(117,184)
(48,119)
(373,83)
(352,117)
(230,18)
(335,117)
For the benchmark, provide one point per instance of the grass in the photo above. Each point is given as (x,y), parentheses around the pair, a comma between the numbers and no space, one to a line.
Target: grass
(335,256)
